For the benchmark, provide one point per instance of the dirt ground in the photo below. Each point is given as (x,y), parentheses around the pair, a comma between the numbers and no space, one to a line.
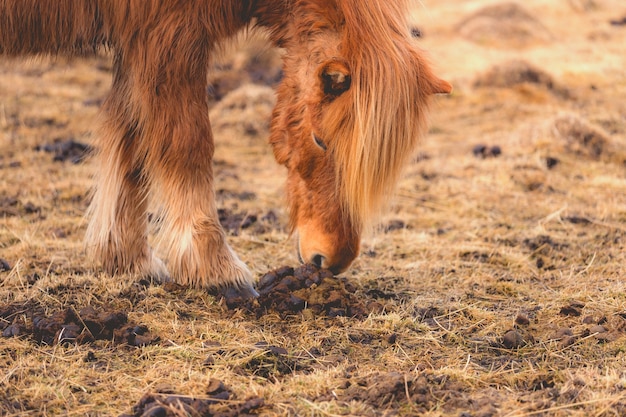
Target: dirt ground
(494,287)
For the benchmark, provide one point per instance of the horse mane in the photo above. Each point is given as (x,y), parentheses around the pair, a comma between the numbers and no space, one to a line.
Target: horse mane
(381,123)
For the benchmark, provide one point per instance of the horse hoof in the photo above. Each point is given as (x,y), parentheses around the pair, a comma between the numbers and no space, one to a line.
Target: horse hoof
(244,292)
(157,270)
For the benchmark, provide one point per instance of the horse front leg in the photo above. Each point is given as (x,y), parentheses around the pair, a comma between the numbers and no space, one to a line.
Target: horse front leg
(117,234)
(178,145)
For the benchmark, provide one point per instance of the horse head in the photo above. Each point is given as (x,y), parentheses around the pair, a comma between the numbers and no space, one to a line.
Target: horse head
(349,112)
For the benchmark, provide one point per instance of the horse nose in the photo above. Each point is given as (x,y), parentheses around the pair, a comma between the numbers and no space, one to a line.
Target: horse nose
(335,264)
(318,260)
(332,252)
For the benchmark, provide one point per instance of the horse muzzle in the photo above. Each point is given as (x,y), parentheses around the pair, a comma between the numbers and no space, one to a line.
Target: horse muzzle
(333,252)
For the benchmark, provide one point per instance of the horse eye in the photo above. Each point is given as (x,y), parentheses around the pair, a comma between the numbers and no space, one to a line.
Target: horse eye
(319,142)
(336,83)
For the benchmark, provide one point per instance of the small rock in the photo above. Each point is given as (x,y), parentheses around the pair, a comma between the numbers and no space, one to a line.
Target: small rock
(551,162)
(522,320)
(215,386)
(208,362)
(395,225)
(484,151)
(597,329)
(479,150)
(565,336)
(513,340)
(567,341)
(14,330)
(563,332)
(4,265)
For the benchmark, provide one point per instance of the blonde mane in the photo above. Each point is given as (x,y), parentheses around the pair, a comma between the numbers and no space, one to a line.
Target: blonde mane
(387,110)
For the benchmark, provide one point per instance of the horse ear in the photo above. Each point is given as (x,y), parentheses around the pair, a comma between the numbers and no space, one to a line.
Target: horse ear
(439,86)
(335,77)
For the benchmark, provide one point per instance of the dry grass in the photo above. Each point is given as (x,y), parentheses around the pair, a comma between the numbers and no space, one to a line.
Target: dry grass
(530,240)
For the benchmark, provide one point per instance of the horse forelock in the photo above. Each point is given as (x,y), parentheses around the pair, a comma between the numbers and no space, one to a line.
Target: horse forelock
(387,106)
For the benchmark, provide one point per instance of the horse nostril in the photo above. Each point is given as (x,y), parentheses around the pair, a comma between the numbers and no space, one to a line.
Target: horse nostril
(317,260)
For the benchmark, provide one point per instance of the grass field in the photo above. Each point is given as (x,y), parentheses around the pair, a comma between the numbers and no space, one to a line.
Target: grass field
(494,287)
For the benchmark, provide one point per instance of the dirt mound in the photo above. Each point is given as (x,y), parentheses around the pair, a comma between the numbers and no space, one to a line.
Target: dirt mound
(68,326)
(503,25)
(518,72)
(582,137)
(305,289)
(218,403)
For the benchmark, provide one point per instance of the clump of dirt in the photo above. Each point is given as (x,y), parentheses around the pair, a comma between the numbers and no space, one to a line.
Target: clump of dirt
(68,326)
(517,338)
(66,150)
(572,309)
(519,72)
(233,222)
(4,265)
(382,390)
(11,206)
(218,403)
(305,289)
(618,22)
(483,151)
(546,252)
(503,25)
(395,224)
(581,137)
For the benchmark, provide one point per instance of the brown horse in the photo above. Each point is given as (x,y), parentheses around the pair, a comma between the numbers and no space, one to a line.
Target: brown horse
(349,113)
